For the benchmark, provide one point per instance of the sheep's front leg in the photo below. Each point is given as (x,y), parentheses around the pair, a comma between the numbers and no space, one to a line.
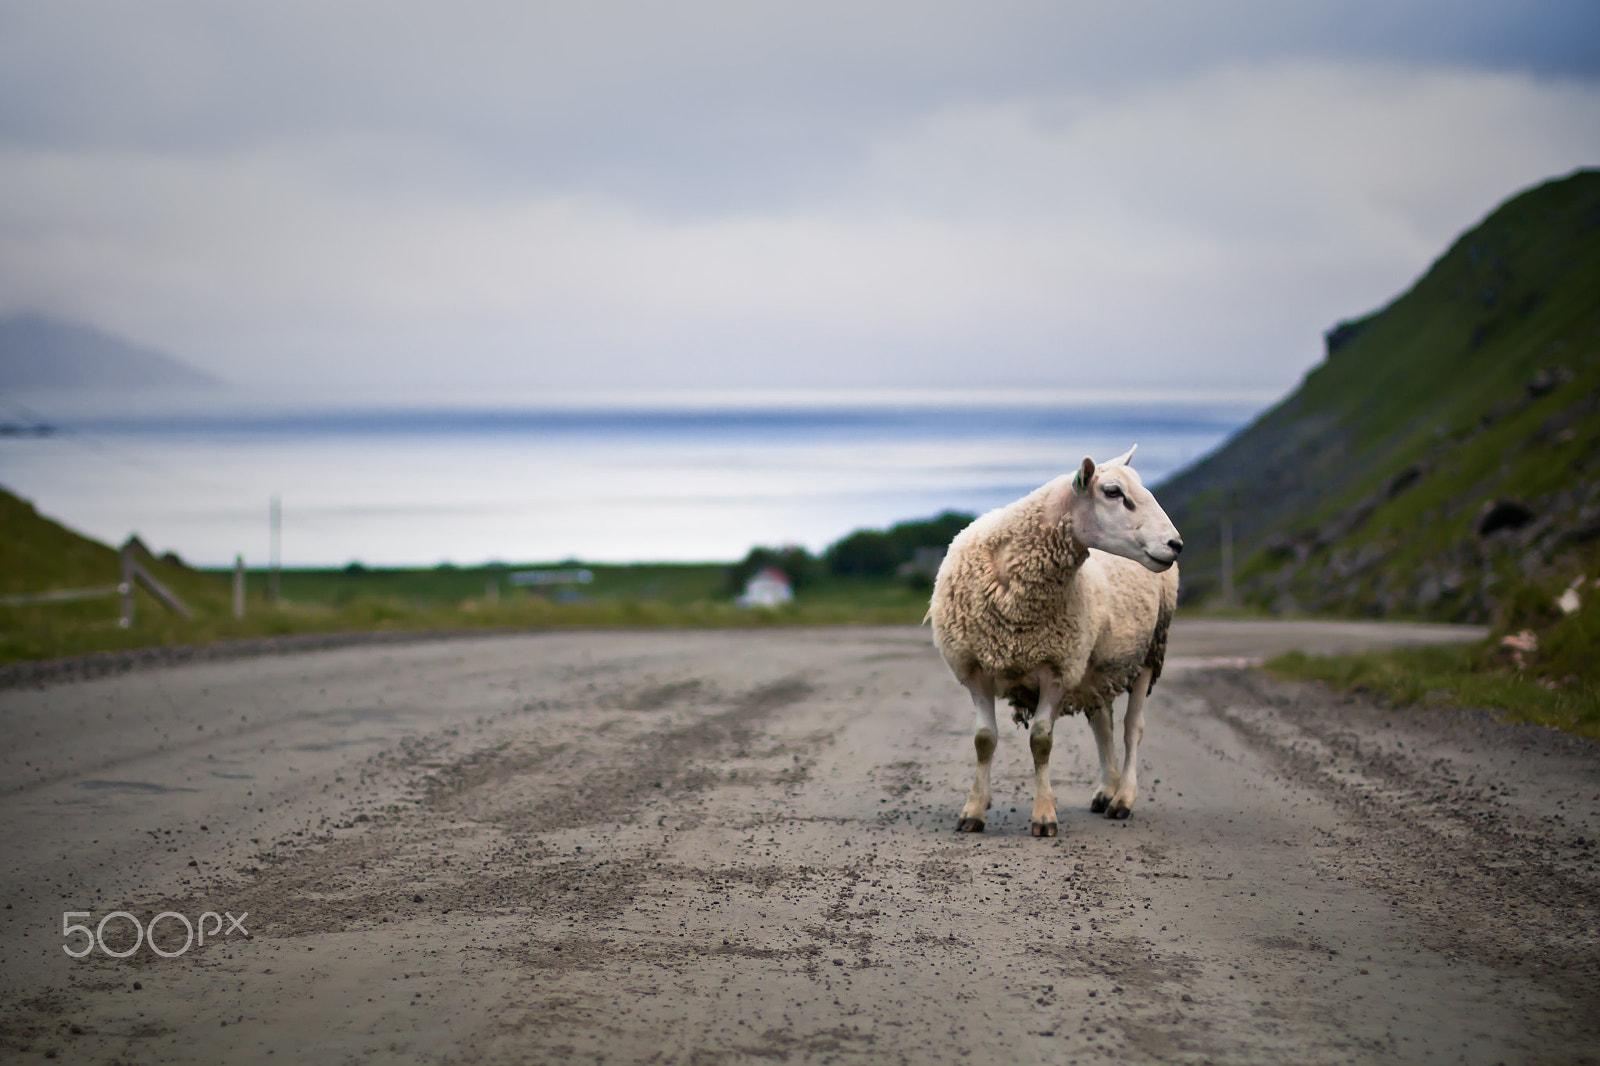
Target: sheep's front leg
(1100,722)
(1040,741)
(1132,732)
(984,737)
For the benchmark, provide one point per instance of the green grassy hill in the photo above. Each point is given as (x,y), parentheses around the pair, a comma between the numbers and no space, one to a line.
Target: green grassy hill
(40,555)
(1445,457)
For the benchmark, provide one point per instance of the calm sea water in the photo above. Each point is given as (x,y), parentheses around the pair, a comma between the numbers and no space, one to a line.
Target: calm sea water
(417,484)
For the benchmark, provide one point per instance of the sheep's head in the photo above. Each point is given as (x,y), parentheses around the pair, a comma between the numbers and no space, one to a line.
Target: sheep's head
(1110,509)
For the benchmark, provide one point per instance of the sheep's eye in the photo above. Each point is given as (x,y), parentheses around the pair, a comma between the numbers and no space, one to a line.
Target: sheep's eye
(1112,492)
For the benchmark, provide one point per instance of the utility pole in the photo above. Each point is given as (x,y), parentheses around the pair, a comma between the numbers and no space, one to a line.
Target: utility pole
(1227,562)
(277,546)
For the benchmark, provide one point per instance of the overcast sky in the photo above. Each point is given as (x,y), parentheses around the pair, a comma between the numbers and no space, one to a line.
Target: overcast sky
(702,193)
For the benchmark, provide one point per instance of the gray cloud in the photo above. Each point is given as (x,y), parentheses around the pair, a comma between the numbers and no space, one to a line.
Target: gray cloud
(708,193)
(662,104)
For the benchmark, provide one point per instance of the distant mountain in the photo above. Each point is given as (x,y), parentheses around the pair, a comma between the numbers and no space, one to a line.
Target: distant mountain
(42,353)
(1445,452)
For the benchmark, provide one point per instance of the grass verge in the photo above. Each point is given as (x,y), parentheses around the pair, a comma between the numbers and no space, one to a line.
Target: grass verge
(1539,664)
(1455,675)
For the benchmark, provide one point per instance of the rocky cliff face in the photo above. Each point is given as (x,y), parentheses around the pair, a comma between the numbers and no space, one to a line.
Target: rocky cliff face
(1447,449)
(1477,538)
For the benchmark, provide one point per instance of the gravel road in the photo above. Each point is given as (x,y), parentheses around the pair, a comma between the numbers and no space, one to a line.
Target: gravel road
(731,847)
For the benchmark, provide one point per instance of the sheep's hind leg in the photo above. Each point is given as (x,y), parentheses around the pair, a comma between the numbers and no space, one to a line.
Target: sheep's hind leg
(1040,741)
(983,741)
(1132,733)
(1100,722)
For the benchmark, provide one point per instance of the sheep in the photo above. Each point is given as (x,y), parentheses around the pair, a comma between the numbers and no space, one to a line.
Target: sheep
(1058,603)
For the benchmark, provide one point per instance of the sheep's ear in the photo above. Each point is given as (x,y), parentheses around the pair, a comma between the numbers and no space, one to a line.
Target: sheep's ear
(1085,474)
(1062,491)
(1122,460)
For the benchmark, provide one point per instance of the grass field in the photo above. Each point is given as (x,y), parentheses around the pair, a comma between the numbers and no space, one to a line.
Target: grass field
(673,584)
(440,586)
(38,555)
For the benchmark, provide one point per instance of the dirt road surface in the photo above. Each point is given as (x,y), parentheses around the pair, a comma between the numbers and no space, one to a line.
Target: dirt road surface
(738,847)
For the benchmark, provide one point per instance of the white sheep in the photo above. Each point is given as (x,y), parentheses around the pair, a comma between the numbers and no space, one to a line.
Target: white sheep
(1057,603)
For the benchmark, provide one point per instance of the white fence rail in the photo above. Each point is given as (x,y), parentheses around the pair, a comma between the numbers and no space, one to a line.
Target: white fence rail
(59,596)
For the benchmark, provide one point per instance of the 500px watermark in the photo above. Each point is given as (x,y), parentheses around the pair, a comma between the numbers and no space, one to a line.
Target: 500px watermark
(143,934)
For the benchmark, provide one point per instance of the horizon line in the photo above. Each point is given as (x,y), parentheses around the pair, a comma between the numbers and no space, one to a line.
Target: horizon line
(239,399)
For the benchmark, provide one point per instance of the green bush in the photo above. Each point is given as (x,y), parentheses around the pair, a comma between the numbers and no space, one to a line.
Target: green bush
(879,553)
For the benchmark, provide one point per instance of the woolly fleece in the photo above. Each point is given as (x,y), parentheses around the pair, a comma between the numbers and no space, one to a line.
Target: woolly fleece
(1017,592)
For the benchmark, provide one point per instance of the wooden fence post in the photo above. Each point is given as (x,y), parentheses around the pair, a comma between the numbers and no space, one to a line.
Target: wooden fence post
(238,586)
(133,571)
(126,586)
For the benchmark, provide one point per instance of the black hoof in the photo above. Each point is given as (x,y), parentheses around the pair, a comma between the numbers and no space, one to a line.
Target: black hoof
(970,825)
(1044,829)
(1099,804)
(1119,811)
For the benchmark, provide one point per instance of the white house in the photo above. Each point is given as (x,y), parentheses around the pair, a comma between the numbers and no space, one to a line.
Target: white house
(769,587)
